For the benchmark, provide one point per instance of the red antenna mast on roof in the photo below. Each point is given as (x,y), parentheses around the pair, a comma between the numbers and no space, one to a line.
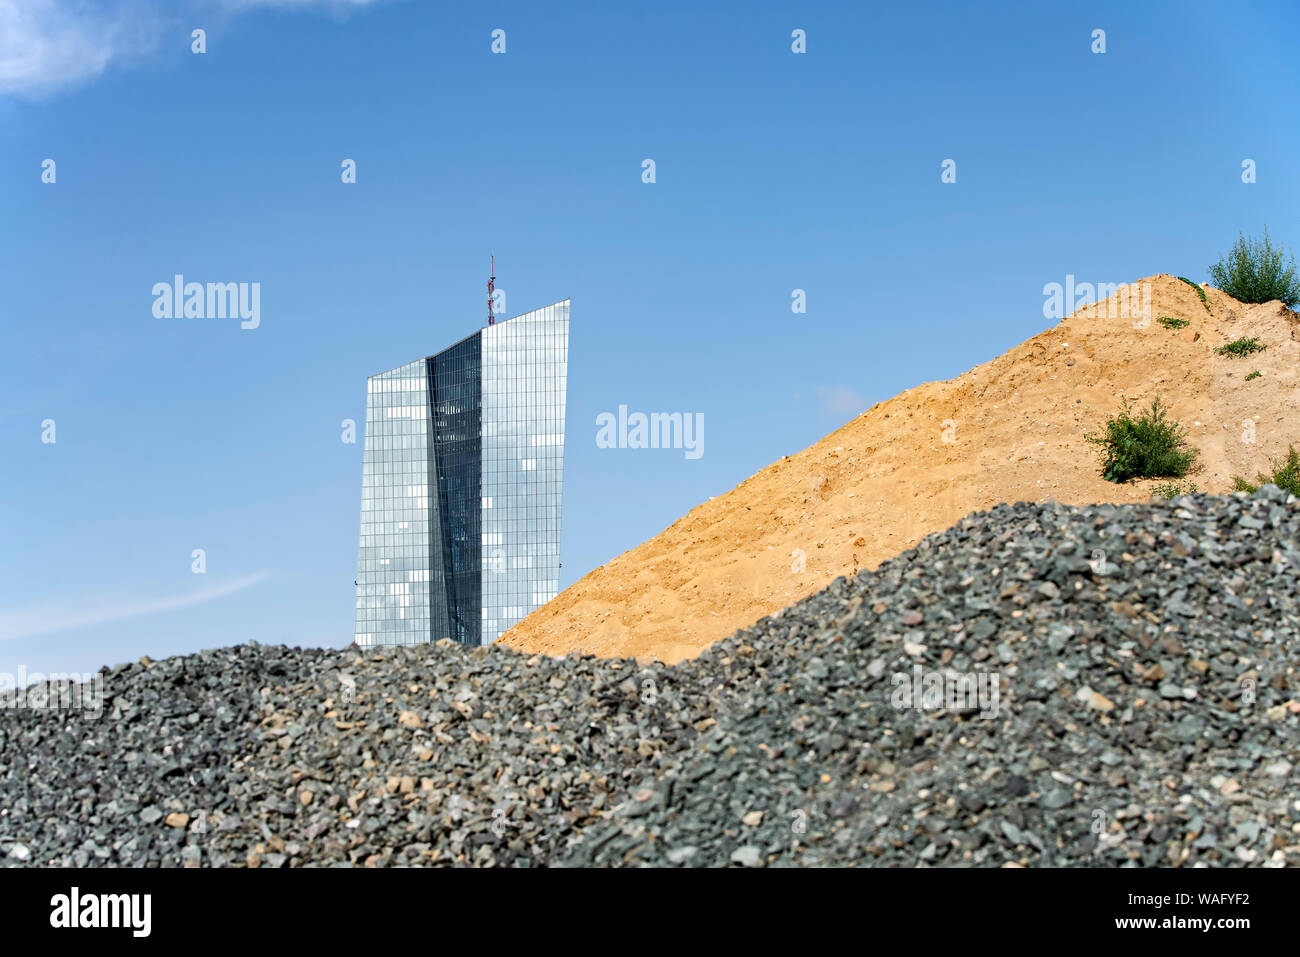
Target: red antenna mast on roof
(492,280)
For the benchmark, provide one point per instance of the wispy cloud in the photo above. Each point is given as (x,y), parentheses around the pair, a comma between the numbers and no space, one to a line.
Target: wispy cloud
(65,615)
(840,401)
(51,45)
(46,45)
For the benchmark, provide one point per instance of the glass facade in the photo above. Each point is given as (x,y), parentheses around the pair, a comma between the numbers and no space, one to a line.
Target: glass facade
(455,457)
(395,575)
(525,367)
(461,486)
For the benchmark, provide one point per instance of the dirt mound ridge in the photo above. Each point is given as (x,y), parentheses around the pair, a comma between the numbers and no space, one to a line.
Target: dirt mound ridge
(1006,431)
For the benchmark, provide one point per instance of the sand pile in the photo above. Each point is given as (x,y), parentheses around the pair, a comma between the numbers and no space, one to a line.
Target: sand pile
(1009,430)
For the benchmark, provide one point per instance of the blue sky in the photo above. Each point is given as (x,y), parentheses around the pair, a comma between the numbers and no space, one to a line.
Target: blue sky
(775,171)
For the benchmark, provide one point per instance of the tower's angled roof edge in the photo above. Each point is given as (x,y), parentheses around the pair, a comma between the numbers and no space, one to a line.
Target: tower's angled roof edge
(470,336)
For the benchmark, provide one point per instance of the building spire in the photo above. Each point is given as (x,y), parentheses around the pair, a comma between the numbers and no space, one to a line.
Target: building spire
(492,279)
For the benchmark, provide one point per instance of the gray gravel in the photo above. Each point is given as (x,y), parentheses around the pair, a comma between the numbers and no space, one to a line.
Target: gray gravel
(1147,713)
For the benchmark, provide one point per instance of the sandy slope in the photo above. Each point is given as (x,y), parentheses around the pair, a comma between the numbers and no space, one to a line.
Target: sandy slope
(1010,430)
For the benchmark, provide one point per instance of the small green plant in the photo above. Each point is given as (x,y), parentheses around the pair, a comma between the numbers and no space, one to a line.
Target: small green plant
(1174,489)
(1254,375)
(1199,291)
(1257,271)
(1286,475)
(1240,348)
(1169,322)
(1149,446)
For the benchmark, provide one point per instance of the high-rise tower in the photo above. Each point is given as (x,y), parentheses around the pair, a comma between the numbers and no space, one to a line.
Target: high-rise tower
(461,487)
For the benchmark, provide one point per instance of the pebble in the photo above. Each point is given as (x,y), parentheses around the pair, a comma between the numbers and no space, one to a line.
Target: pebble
(747,856)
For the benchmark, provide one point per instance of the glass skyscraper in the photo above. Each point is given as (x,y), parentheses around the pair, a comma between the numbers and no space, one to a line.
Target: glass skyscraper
(461,486)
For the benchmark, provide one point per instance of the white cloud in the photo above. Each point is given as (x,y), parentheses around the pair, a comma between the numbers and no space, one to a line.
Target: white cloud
(840,401)
(46,45)
(65,615)
(51,45)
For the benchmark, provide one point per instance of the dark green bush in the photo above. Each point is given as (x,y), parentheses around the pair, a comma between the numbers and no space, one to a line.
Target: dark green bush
(1170,322)
(1257,271)
(1149,446)
(1239,348)
(1286,475)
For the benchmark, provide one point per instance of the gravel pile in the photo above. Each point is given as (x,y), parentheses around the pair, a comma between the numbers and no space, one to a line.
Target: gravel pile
(1135,701)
